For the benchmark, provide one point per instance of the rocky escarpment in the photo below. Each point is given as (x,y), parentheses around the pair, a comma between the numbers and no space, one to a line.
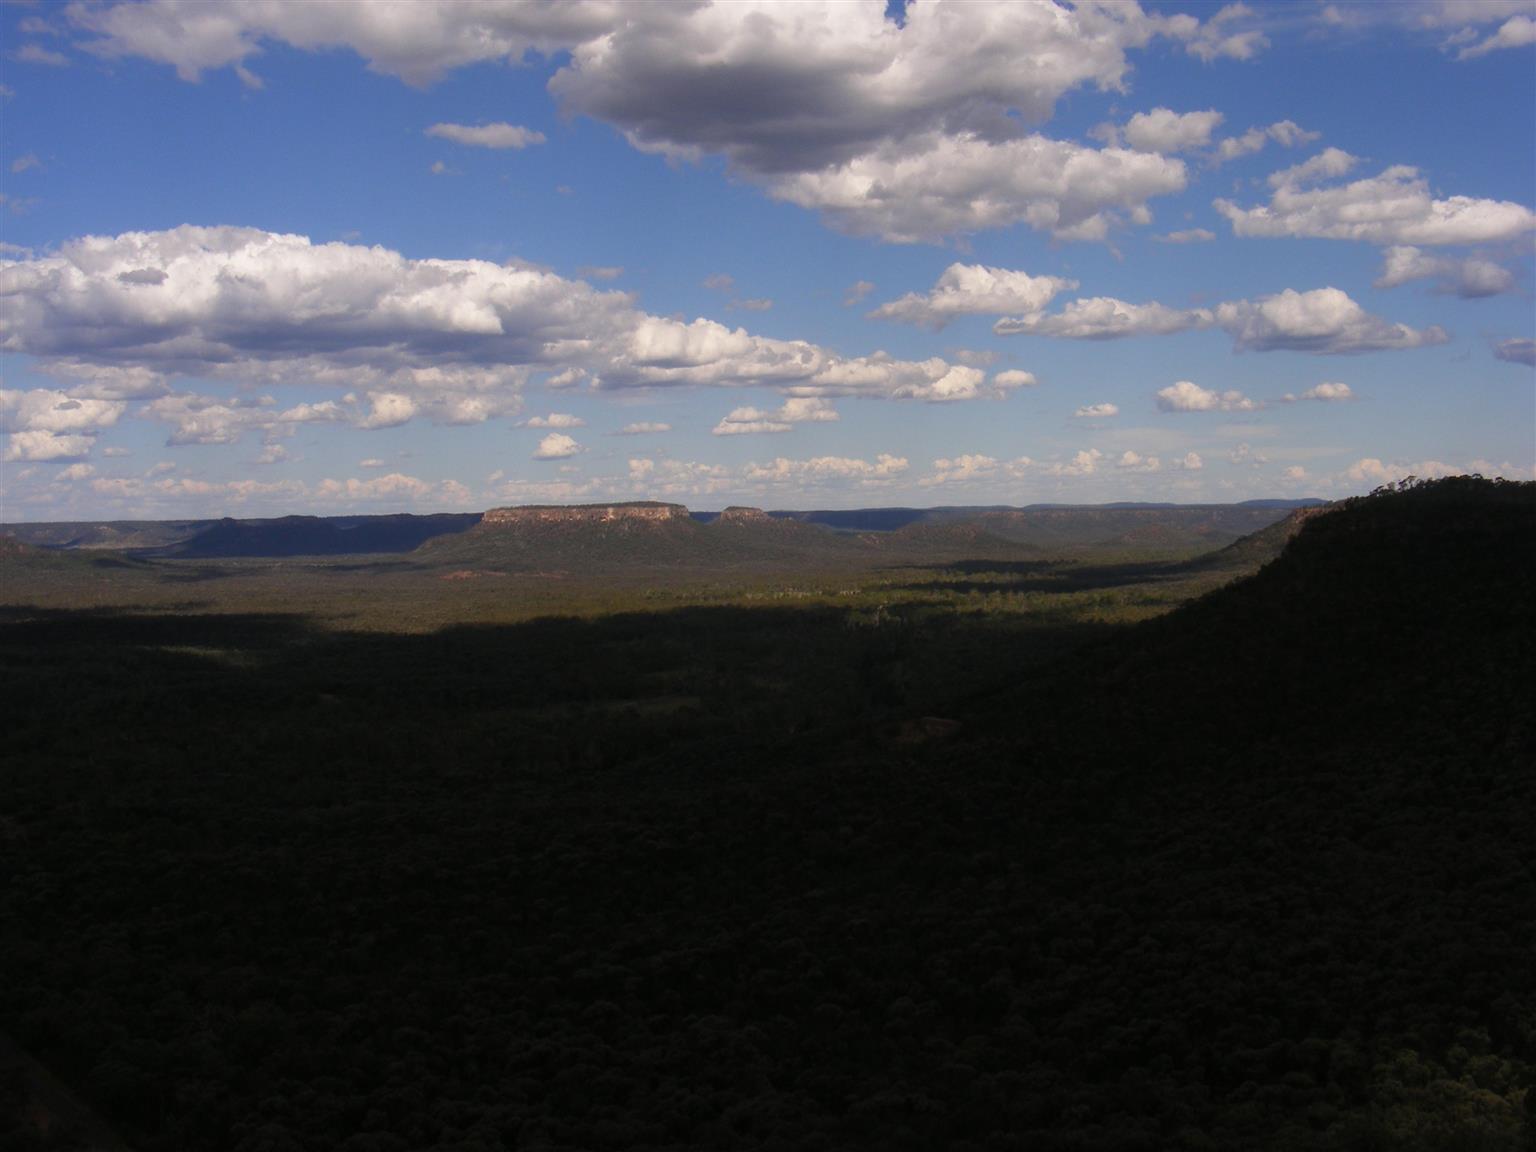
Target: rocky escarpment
(635,512)
(738,514)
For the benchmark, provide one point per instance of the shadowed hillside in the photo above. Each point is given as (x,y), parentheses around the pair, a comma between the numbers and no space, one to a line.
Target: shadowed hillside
(1257,874)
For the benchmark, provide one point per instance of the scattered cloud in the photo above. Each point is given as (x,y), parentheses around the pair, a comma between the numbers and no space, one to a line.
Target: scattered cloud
(1096,411)
(754,304)
(1470,277)
(1393,208)
(23,163)
(974,290)
(557,446)
(643,428)
(720,282)
(37,54)
(1230,34)
(1516,32)
(1135,462)
(1166,131)
(1326,392)
(1324,320)
(600,272)
(1517,351)
(1014,378)
(1187,396)
(1105,318)
(1187,236)
(857,292)
(1286,133)
(795,410)
(556,420)
(498,135)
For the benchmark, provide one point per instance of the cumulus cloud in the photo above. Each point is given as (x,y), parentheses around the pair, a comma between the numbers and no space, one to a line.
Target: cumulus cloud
(1393,208)
(1135,462)
(1516,32)
(961,470)
(1164,130)
(75,472)
(1328,392)
(1097,411)
(1517,351)
(1286,133)
(557,446)
(857,292)
(1187,396)
(1371,470)
(1229,34)
(449,340)
(498,135)
(48,424)
(1105,318)
(974,290)
(643,428)
(1324,320)
(1469,277)
(1014,378)
(907,129)
(795,410)
(934,186)
(1186,236)
(556,420)
(1190,462)
(825,469)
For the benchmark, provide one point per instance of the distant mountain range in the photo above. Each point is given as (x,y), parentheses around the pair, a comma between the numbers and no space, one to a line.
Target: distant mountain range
(751,530)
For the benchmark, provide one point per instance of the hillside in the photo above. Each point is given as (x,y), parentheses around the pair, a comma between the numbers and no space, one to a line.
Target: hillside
(895,875)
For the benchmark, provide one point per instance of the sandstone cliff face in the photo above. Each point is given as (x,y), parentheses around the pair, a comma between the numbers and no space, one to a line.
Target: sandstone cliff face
(639,512)
(737,514)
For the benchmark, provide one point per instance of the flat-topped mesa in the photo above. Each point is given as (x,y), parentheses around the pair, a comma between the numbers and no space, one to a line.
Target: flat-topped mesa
(739,514)
(638,511)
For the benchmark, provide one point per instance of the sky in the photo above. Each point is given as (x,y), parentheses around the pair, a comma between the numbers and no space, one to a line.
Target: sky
(261,258)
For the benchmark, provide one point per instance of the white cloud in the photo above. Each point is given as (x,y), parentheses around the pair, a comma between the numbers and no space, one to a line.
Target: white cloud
(1286,133)
(1516,351)
(1135,462)
(934,186)
(1329,392)
(1190,462)
(961,470)
(1105,318)
(1324,320)
(449,340)
(43,445)
(37,54)
(1097,411)
(1186,236)
(1228,35)
(75,472)
(371,462)
(1393,208)
(1469,277)
(825,469)
(1516,32)
(1187,396)
(795,410)
(1014,378)
(556,420)
(557,446)
(1371,470)
(643,428)
(49,410)
(1164,130)
(974,290)
(857,292)
(1083,463)
(747,421)
(498,135)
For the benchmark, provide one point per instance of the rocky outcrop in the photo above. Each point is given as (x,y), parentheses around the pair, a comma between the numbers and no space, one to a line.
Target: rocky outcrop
(636,512)
(737,514)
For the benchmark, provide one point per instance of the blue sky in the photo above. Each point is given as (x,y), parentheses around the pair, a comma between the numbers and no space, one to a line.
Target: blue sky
(261,259)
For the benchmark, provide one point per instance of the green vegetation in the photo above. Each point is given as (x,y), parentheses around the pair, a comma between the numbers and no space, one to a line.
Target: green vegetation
(947,852)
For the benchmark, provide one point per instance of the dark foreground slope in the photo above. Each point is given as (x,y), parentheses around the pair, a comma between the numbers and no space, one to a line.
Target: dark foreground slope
(1259,875)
